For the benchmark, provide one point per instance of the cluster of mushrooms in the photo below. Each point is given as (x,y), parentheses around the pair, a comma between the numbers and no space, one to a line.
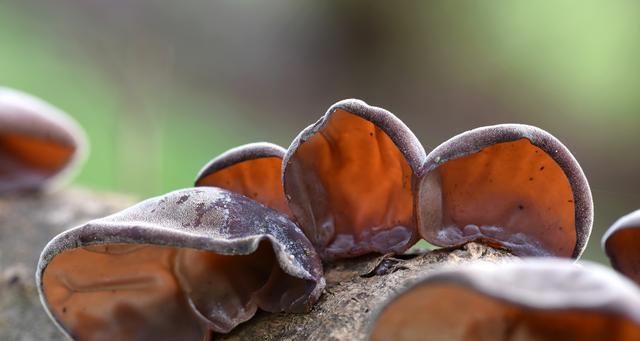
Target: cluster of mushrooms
(254,231)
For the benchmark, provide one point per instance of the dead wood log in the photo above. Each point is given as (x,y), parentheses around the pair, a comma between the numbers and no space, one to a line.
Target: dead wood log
(355,287)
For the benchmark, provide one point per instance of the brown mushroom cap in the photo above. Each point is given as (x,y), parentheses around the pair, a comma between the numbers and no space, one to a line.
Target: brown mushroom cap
(512,185)
(176,266)
(253,170)
(537,299)
(38,143)
(348,180)
(621,242)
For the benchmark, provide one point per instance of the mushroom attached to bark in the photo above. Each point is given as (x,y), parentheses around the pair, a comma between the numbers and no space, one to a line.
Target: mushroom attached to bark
(38,143)
(253,170)
(621,242)
(538,299)
(177,267)
(510,185)
(348,179)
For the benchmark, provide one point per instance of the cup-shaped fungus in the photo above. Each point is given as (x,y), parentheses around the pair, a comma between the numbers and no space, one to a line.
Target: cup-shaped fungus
(348,179)
(177,267)
(510,185)
(253,170)
(621,242)
(538,299)
(38,143)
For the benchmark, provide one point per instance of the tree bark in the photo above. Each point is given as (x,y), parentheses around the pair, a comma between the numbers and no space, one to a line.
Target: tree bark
(27,222)
(355,288)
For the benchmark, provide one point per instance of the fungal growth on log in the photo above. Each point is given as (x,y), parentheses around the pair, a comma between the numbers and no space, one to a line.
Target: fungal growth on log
(511,185)
(253,170)
(38,143)
(177,267)
(621,242)
(252,233)
(348,180)
(541,299)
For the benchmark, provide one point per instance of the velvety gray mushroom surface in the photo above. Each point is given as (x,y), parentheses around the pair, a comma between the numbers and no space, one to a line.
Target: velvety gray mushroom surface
(38,143)
(253,170)
(536,299)
(348,180)
(621,242)
(511,185)
(177,267)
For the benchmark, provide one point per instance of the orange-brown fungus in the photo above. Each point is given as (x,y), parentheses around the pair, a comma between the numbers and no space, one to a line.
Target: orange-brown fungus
(513,193)
(26,161)
(350,188)
(623,249)
(258,179)
(144,292)
(453,313)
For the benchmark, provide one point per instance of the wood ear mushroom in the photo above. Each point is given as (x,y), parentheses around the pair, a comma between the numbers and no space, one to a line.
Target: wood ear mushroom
(348,180)
(177,267)
(39,144)
(511,185)
(621,243)
(537,299)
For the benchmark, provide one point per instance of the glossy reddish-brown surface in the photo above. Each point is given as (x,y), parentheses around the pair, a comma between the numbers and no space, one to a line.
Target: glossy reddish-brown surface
(26,162)
(138,292)
(119,292)
(533,300)
(622,245)
(512,191)
(37,142)
(253,170)
(177,267)
(348,180)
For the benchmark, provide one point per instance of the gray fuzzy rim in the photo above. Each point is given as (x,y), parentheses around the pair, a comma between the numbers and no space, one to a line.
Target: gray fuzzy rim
(543,284)
(629,221)
(203,218)
(246,152)
(473,141)
(400,134)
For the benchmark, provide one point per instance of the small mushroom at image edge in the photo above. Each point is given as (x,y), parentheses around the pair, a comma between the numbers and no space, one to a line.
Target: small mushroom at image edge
(253,170)
(537,299)
(177,267)
(349,181)
(513,186)
(621,242)
(39,144)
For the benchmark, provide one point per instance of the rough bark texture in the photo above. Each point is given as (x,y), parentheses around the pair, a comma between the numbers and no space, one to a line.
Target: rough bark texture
(354,291)
(27,222)
(355,288)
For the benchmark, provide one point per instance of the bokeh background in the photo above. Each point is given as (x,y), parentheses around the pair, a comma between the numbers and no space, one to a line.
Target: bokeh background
(163,86)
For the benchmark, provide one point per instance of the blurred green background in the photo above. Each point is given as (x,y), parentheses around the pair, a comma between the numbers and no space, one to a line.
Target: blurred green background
(163,86)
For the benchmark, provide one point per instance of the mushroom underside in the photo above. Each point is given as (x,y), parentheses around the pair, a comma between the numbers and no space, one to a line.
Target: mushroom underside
(624,253)
(451,312)
(258,179)
(513,193)
(350,188)
(144,292)
(26,161)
